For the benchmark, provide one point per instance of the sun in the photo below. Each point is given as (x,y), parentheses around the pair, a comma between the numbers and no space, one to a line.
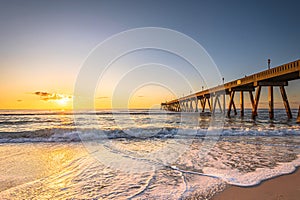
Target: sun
(63,101)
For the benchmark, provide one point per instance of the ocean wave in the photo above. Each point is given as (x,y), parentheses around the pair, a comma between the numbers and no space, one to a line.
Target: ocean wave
(21,122)
(76,135)
(15,122)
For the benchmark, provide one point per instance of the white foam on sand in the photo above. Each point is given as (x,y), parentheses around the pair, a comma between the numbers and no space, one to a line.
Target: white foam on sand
(234,177)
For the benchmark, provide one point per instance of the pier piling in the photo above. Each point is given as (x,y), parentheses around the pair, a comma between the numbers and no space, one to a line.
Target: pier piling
(224,103)
(242,103)
(257,95)
(271,102)
(286,102)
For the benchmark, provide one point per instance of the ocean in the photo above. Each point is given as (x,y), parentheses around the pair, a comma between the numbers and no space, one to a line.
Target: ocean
(140,154)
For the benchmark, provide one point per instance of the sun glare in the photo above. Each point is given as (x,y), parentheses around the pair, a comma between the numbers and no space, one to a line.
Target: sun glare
(63,101)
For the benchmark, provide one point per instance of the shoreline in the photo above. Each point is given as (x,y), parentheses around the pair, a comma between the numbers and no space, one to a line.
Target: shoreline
(282,187)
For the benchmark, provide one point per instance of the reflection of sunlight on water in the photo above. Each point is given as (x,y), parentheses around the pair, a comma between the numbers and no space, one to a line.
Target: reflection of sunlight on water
(65,170)
(23,163)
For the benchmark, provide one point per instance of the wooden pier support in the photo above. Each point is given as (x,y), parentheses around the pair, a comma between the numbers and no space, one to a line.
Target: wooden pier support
(286,103)
(234,108)
(196,102)
(252,99)
(191,105)
(242,103)
(271,102)
(209,105)
(231,103)
(219,103)
(257,95)
(203,104)
(224,103)
(214,105)
(186,105)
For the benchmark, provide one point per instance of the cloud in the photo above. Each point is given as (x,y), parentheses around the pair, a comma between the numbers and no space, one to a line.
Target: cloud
(46,96)
(141,96)
(104,97)
(43,94)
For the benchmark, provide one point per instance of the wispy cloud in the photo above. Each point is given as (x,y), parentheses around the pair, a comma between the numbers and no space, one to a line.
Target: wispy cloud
(46,96)
(104,97)
(42,94)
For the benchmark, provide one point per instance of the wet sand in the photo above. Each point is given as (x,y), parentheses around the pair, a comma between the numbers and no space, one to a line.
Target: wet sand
(285,187)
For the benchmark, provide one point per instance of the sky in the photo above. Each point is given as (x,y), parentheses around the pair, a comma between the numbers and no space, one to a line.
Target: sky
(43,45)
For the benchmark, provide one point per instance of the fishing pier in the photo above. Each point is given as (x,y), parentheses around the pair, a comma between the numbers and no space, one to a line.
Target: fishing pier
(215,97)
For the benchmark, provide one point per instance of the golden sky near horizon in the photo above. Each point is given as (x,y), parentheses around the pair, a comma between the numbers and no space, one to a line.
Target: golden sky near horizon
(30,94)
(24,84)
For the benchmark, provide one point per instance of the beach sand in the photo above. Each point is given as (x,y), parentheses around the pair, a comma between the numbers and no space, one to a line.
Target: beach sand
(286,187)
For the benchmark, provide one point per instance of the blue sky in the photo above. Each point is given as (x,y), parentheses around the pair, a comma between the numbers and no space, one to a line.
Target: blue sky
(52,38)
